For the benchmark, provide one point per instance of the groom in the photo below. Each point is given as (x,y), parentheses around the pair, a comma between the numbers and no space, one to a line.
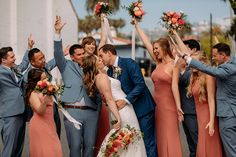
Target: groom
(77,102)
(128,72)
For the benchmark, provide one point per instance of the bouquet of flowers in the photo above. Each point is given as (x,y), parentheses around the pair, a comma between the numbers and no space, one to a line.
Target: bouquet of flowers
(136,10)
(173,20)
(102,8)
(47,88)
(118,140)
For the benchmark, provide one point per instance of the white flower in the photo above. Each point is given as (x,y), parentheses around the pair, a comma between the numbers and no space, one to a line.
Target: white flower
(118,70)
(136,8)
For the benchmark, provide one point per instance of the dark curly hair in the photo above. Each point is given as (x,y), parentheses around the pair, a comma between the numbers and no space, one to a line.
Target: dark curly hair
(34,76)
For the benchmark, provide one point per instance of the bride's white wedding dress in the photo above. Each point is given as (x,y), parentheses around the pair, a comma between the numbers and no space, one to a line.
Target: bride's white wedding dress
(128,116)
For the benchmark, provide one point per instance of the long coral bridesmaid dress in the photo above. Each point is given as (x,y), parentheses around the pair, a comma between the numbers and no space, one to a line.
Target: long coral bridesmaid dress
(44,141)
(167,125)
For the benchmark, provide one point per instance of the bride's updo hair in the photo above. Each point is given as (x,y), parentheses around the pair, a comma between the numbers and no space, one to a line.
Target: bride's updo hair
(90,71)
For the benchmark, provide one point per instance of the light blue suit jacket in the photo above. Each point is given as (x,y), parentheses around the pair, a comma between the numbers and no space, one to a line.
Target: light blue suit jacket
(72,76)
(11,96)
(49,66)
(225,75)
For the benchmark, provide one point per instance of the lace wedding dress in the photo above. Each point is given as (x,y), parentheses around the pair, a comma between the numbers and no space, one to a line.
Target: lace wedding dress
(128,116)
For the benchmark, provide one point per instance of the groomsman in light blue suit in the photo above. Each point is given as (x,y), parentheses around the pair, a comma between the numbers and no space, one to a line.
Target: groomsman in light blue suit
(133,84)
(12,120)
(37,60)
(77,102)
(225,74)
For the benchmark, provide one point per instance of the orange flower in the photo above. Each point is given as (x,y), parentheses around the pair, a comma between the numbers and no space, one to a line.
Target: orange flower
(117,143)
(138,13)
(176,15)
(174,20)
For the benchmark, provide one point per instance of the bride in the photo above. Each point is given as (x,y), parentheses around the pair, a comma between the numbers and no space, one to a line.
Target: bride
(94,79)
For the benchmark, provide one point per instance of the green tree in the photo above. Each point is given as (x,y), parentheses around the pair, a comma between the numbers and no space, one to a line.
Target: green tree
(232,31)
(117,23)
(205,38)
(90,4)
(233,5)
(88,24)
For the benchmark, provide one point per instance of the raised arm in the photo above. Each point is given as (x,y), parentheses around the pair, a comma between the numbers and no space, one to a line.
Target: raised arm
(51,64)
(104,86)
(103,40)
(25,61)
(222,71)
(211,92)
(175,91)
(144,39)
(58,51)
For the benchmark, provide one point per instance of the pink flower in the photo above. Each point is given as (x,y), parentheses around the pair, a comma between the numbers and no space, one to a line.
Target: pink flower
(181,22)
(176,15)
(98,7)
(43,84)
(169,13)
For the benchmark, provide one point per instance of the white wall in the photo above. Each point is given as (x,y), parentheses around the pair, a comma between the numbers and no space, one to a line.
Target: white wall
(19,18)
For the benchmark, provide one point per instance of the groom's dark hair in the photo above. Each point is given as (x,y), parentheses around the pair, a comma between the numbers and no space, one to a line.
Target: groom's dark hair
(108,47)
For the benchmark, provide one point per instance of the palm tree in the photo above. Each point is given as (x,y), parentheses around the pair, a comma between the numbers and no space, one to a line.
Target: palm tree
(232,31)
(233,5)
(117,23)
(88,24)
(90,4)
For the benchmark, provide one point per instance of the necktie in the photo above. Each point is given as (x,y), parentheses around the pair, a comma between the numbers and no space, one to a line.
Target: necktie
(16,73)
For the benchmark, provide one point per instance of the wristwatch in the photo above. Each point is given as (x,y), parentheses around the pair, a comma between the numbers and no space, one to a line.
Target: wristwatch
(184,55)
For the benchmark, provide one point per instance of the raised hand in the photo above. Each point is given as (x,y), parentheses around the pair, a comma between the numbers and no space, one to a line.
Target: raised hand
(31,42)
(182,47)
(58,25)
(134,21)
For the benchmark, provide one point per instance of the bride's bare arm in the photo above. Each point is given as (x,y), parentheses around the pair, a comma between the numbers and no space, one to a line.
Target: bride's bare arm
(104,86)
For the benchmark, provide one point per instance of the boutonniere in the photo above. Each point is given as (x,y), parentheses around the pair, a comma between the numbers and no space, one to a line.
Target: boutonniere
(117,72)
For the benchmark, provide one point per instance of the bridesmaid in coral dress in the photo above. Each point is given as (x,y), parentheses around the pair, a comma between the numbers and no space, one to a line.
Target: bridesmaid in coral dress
(167,129)
(202,87)
(44,141)
(166,117)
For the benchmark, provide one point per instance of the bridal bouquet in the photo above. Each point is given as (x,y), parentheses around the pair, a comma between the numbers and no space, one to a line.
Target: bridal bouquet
(173,20)
(119,140)
(46,87)
(136,10)
(102,8)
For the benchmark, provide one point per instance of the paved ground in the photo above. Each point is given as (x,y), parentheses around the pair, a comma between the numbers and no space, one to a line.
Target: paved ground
(64,141)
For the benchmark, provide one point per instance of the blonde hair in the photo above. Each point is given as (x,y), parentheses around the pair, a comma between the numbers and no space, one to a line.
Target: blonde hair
(90,71)
(165,46)
(199,77)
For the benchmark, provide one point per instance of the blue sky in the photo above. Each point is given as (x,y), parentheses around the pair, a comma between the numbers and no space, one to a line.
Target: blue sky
(197,10)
